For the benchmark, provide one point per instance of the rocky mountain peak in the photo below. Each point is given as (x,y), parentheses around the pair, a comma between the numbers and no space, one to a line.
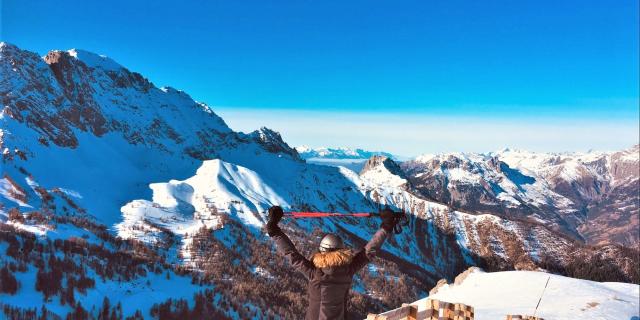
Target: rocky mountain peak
(272,141)
(7,48)
(95,60)
(68,92)
(385,162)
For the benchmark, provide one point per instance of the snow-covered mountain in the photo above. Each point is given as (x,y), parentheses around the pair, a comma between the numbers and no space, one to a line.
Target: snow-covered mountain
(307,152)
(97,159)
(604,186)
(497,294)
(590,196)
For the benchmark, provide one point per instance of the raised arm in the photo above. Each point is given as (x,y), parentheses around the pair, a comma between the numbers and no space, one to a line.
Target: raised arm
(284,244)
(369,251)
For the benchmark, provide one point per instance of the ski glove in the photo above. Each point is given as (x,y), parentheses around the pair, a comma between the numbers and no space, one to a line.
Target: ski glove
(275,214)
(388,220)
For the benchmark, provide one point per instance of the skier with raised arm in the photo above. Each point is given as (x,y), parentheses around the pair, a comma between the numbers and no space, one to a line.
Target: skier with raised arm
(330,271)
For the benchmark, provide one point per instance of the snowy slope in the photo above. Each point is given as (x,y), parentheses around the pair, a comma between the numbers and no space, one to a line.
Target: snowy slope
(496,294)
(137,294)
(86,251)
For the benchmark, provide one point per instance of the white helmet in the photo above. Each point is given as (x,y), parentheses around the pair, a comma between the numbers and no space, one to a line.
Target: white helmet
(331,242)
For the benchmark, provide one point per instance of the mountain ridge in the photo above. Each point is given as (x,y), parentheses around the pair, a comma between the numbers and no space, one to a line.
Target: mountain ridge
(563,187)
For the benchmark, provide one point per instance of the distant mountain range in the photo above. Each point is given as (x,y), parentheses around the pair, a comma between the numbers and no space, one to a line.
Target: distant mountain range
(590,196)
(338,153)
(110,184)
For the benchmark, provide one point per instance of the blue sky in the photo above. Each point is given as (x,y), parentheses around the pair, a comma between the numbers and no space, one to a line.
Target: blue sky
(410,76)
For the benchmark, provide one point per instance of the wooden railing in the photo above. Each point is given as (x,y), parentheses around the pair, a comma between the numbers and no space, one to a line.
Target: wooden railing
(436,310)
(408,312)
(433,310)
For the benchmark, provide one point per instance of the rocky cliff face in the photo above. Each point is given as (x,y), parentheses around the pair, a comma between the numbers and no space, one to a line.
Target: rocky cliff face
(613,216)
(380,162)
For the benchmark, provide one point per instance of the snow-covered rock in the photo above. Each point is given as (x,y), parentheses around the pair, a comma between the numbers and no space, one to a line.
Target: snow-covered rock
(497,294)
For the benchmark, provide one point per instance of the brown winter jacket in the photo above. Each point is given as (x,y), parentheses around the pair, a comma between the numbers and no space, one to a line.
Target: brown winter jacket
(329,274)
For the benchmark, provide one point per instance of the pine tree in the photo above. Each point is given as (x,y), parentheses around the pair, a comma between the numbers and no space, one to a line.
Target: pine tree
(8,283)
(79,313)
(44,311)
(104,312)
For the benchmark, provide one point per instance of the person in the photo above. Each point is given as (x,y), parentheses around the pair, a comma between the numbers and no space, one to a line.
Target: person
(330,271)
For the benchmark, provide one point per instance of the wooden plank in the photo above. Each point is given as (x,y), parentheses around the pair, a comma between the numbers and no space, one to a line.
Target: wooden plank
(398,314)
(444,306)
(449,311)
(406,312)
(414,313)
(431,314)
(458,311)
(438,310)
(431,309)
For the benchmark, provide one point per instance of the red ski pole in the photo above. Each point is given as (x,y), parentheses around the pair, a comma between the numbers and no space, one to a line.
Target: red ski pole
(296,214)
(400,217)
